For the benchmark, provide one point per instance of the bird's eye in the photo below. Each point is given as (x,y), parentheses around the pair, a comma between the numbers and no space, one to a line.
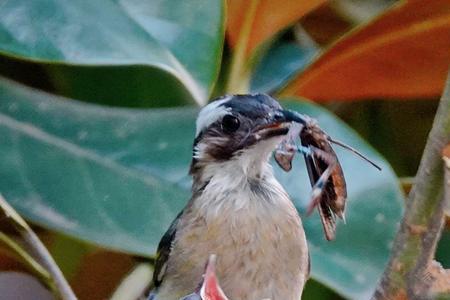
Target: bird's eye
(230,123)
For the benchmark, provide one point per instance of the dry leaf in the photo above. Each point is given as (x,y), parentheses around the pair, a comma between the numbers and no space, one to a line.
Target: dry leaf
(100,273)
(325,25)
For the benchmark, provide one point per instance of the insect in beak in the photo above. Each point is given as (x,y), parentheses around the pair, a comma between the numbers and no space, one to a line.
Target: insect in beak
(329,190)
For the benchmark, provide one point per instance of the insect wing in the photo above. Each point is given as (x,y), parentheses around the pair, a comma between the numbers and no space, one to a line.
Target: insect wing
(333,193)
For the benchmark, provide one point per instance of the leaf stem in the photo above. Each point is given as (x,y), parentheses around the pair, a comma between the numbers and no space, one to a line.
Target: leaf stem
(238,79)
(38,250)
(407,274)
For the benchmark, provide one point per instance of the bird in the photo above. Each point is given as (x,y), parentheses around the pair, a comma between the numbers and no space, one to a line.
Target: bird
(209,289)
(237,210)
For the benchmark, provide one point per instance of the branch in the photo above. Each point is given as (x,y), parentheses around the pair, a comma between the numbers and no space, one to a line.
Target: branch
(408,272)
(35,246)
(441,286)
(446,157)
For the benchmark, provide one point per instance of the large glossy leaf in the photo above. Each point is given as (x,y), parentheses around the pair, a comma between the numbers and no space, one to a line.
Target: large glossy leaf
(443,249)
(396,122)
(264,18)
(125,52)
(117,177)
(401,54)
(279,64)
(93,172)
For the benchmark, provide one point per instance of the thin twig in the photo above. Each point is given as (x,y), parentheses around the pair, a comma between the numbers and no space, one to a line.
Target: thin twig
(38,250)
(19,253)
(406,275)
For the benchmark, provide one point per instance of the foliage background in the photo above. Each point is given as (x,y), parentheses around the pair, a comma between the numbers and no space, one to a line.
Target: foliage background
(98,102)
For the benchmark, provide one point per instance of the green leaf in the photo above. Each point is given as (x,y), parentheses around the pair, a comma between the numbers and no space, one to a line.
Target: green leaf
(117,177)
(123,52)
(93,172)
(278,65)
(315,290)
(443,249)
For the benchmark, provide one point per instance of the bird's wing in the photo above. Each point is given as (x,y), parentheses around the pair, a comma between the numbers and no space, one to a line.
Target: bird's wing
(162,256)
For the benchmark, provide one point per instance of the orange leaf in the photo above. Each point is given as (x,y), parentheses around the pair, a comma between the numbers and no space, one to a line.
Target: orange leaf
(404,53)
(270,17)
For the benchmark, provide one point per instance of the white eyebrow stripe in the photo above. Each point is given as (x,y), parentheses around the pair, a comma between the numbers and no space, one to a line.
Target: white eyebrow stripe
(211,113)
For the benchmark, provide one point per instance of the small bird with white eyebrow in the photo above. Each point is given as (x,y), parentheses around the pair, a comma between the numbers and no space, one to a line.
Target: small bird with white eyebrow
(237,210)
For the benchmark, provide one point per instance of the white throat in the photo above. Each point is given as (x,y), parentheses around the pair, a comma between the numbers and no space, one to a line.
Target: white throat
(251,163)
(243,183)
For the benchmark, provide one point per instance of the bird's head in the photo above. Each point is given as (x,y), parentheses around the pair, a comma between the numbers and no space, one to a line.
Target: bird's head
(243,129)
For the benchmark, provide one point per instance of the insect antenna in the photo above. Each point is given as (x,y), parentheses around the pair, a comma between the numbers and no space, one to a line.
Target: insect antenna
(345,146)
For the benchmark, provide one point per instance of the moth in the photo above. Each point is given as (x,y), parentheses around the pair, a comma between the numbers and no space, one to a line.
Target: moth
(329,188)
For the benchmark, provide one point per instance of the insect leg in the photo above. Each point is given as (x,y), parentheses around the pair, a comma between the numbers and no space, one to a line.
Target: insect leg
(305,150)
(319,185)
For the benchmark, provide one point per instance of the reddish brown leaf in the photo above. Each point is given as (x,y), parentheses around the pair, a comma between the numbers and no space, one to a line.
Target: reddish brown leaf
(325,25)
(270,17)
(100,273)
(10,263)
(404,53)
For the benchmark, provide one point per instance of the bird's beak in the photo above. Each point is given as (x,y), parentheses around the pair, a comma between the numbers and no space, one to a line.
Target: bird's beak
(278,123)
